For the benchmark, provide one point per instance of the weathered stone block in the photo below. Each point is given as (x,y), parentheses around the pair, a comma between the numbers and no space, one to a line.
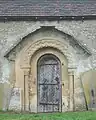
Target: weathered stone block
(15,100)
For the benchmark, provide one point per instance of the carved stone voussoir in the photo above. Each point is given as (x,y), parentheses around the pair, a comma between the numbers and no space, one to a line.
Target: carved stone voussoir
(52,43)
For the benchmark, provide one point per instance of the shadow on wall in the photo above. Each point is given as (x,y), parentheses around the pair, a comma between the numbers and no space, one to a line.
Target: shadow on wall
(5,93)
(89,86)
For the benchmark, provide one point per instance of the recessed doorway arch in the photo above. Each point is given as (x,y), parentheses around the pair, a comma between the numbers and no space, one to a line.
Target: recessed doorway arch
(55,57)
(49,83)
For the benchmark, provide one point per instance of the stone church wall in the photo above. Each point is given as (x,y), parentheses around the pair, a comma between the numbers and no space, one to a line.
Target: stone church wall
(83,31)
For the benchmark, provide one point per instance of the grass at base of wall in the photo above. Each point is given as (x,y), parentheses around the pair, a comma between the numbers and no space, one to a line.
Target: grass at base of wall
(49,116)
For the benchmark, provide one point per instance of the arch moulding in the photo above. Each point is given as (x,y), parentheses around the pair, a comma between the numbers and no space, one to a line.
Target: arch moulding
(29,51)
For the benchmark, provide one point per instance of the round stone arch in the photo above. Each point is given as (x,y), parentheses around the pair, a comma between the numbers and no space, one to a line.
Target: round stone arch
(63,71)
(29,51)
(23,66)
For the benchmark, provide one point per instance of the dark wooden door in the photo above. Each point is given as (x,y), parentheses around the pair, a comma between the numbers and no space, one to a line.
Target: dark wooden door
(49,87)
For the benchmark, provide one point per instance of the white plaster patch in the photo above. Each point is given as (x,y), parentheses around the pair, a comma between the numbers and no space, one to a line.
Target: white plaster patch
(5,73)
(15,103)
(85,65)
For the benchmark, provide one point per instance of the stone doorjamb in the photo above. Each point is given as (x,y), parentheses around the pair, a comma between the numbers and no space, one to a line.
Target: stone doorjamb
(71,90)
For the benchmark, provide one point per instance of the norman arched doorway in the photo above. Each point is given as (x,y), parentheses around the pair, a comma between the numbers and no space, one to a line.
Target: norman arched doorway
(50,64)
(49,84)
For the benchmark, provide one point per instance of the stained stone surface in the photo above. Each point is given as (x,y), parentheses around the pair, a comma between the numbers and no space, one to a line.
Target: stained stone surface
(15,103)
(12,32)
